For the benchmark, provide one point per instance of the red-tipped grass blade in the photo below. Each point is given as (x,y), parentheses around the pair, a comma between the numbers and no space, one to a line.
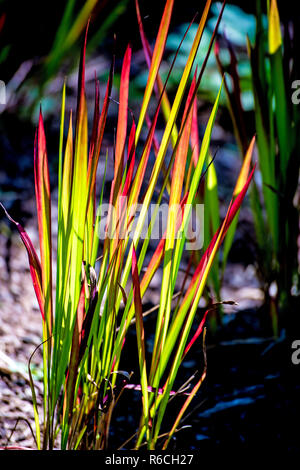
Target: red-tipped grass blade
(34,262)
(122,121)
(130,159)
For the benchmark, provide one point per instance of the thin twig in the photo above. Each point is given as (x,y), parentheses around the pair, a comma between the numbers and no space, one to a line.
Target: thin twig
(15,427)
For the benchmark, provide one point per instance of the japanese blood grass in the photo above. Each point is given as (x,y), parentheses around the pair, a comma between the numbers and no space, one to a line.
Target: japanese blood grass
(85,327)
(273,66)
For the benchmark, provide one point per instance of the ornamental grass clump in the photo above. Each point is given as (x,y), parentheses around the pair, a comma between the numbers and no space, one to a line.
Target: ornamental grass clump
(100,287)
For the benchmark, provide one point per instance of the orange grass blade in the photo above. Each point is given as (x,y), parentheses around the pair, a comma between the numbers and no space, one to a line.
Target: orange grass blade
(130,159)
(241,181)
(166,107)
(155,63)
(122,120)
(43,201)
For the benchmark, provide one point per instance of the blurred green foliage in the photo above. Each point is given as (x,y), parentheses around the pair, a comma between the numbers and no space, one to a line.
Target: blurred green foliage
(34,77)
(274,63)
